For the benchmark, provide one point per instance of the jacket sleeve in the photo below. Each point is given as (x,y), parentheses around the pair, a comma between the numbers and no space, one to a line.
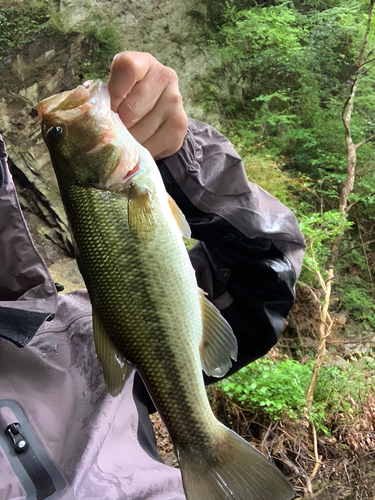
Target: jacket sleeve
(249,250)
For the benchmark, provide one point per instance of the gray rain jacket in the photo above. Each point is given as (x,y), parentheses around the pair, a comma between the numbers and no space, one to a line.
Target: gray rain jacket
(62,435)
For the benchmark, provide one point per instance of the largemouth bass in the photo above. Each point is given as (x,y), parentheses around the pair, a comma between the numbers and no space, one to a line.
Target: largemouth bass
(148,313)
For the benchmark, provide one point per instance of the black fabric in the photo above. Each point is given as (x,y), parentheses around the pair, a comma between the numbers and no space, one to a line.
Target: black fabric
(203,226)
(262,287)
(2,149)
(19,326)
(39,476)
(258,277)
(145,433)
(2,173)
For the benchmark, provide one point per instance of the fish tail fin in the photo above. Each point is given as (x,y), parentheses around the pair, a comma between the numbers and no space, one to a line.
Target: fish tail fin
(235,470)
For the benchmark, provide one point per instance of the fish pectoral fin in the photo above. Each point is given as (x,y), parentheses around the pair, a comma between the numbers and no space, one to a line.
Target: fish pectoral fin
(180,219)
(116,368)
(218,344)
(140,213)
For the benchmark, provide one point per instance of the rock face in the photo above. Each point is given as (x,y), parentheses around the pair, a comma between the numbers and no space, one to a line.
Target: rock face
(162,28)
(50,64)
(31,73)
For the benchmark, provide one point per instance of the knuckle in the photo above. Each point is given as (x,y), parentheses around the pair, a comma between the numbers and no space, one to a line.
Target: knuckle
(126,60)
(168,76)
(175,101)
(181,123)
(173,78)
(177,128)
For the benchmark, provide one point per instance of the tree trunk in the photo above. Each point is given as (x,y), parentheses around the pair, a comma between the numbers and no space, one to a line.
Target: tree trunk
(324,331)
(325,320)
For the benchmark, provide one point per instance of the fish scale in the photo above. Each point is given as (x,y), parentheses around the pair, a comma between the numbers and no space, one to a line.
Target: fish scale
(99,247)
(147,308)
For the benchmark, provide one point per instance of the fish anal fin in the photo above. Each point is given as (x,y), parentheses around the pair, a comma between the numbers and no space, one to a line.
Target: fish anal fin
(180,219)
(219,345)
(140,213)
(116,368)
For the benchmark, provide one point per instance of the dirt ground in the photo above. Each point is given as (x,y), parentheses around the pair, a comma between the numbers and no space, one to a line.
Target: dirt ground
(342,473)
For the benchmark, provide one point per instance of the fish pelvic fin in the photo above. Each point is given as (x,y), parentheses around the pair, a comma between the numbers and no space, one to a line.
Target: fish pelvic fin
(116,369)
(180,219)
(219,345)
(234,471)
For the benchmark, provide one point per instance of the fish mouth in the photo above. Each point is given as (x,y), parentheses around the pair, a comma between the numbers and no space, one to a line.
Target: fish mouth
(69,104)
(93,97)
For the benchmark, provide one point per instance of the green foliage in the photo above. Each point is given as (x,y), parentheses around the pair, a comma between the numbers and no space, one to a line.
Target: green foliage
(358,300)
(264,171)
(354,289)
(281,73)
(282,76)
(319,231)
(102,44)
(18,24)
(260,60)
(278,389)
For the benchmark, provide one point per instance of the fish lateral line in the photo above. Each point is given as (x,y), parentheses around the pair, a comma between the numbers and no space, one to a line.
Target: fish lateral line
(216,464)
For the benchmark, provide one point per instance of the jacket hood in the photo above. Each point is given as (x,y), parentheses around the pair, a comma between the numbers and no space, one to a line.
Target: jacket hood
(27,292)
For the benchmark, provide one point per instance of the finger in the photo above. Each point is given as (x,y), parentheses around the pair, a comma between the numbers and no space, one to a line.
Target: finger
(142,98)
(160,144)
(146,128)
(168,104)
(127,69)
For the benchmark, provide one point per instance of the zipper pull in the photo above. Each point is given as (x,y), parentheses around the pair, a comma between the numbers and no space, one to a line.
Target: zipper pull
(19,441)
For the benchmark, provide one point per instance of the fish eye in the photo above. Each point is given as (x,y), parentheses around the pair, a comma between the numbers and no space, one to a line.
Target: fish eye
(55,133)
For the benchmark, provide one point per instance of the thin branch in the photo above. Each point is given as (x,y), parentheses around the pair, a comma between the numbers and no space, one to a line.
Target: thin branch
(310,289)
(348,105)
(370,52)
(352,205)
(344,114)
(318,273)
(357,201)
(357,246)
(359,144)
(366,70)
(368,60)
(365,255)
(324,332)
(367,33)
(316,455)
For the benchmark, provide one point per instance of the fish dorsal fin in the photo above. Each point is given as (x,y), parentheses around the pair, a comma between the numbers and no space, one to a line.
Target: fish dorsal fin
(140,213)
(116,368)
(219,344)
(180,219)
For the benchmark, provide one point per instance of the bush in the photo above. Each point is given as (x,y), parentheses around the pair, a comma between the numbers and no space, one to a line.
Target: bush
(102,44)
(19,24)
(278,389)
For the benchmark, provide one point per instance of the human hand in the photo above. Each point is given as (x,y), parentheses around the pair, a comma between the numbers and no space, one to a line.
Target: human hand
(145,94)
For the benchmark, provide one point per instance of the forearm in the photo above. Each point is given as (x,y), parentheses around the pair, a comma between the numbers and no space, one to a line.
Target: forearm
(250,248)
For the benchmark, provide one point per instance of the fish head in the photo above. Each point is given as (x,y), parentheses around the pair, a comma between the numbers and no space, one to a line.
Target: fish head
(88,143)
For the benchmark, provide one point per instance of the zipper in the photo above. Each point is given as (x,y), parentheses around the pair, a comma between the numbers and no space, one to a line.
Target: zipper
(36,472)
(19,441)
